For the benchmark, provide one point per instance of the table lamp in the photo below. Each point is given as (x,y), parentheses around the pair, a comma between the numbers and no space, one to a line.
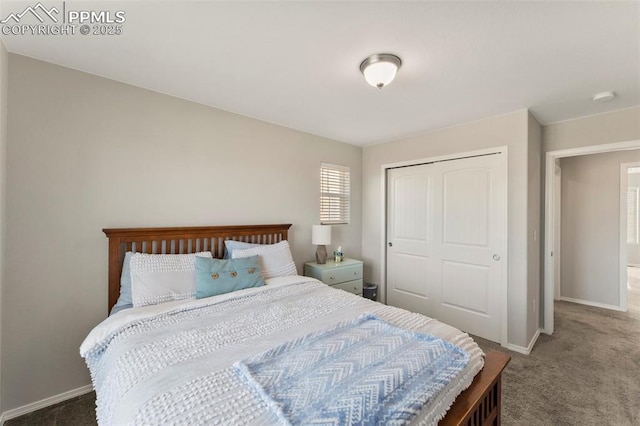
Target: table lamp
(321,236)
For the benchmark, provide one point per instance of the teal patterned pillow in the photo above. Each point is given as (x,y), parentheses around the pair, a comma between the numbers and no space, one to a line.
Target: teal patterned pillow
(216,276)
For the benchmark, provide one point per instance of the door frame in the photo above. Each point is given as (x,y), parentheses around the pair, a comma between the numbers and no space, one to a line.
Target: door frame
(505,222)
(557,223)
(552,236)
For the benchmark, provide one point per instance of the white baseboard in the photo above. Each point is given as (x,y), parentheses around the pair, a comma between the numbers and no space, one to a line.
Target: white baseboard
(29,408)
(522,349)
(595,304)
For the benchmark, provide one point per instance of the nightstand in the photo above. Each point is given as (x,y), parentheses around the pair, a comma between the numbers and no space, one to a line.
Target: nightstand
(346,275)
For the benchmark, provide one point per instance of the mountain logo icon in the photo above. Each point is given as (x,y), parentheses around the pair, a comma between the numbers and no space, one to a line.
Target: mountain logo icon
(39,11)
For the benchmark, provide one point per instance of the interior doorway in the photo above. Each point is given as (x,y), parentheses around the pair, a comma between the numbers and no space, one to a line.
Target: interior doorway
(553,229)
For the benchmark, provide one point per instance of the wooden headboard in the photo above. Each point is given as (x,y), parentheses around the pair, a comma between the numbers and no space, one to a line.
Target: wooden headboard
(180,241)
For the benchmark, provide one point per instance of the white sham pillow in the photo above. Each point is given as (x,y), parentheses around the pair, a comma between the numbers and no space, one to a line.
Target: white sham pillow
(159,278)
(231,245)
(275,259)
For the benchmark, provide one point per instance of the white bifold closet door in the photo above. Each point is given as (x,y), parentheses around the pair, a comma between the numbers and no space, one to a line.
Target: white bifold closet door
(445,239)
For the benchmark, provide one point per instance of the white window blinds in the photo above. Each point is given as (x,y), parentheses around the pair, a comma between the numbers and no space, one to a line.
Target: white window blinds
(632,214)
(335,188)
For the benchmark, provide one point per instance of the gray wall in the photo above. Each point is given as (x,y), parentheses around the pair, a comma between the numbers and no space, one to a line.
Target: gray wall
(633,250)
(4,86)
(507,130)
(87,153)
(590,252)
(617,126)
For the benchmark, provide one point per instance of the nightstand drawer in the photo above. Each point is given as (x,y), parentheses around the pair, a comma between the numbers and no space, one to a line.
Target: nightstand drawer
(341,274)
(346,275)
(354,286)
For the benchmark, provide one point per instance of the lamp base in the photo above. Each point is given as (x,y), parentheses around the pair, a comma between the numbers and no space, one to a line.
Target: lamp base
(321,255)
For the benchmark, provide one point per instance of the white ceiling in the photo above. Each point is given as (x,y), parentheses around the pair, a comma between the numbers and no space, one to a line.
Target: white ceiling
(296,63)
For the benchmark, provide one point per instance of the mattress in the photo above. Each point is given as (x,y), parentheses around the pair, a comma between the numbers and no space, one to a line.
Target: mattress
(173,363)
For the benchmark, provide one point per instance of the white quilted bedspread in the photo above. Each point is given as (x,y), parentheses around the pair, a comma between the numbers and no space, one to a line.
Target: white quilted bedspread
(172,363)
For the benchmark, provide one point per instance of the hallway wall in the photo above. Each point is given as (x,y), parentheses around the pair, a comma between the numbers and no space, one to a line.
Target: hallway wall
(590,244)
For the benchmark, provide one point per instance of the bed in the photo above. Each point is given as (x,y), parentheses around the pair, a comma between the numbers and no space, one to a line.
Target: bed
(140,381)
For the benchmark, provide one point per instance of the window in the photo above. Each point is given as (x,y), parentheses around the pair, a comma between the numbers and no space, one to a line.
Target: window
(632,214)
(335,187)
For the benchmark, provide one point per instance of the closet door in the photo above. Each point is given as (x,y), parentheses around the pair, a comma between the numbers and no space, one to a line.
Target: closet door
(410,238)
(445,242)
(468,244)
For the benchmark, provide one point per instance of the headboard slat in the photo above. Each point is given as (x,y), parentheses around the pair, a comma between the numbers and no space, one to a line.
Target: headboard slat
(181,240)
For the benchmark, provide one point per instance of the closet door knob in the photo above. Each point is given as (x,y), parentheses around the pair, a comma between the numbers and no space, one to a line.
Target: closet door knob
(496,257)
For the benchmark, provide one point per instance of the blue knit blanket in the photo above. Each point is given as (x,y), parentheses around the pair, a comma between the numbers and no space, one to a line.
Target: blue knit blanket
(360,372)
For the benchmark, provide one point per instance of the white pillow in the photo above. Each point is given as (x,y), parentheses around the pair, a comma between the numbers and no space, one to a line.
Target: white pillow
(275,259)
(159,278)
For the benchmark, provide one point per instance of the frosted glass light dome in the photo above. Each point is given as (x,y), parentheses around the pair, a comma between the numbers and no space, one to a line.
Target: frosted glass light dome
(380,70)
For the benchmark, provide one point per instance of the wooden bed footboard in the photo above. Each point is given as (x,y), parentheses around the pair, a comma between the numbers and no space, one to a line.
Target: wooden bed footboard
(481,403)
(478,405)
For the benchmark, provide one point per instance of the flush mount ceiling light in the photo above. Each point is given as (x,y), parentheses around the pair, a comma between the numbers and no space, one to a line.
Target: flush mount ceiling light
(603,96)
(380,69)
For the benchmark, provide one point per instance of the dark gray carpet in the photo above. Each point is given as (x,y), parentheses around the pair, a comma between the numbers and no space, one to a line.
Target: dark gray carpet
(79,411)
(586,373)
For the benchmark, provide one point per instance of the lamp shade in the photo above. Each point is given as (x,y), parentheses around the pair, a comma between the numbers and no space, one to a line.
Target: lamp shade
(321,235)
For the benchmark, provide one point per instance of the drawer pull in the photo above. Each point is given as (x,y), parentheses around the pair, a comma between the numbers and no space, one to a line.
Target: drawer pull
(356,272)
(332,277)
